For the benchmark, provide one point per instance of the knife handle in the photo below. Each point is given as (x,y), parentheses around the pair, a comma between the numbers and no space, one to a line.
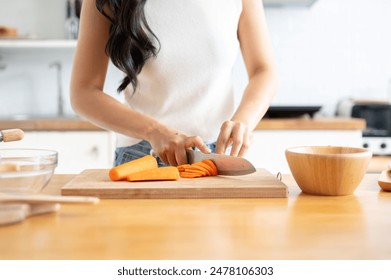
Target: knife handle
(8,135)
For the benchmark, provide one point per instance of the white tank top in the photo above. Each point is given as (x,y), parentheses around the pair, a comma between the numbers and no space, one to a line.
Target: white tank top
(189,85)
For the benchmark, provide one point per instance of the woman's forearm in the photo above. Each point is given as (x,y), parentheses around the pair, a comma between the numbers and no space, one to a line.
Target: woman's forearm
(256,98)
(110,114)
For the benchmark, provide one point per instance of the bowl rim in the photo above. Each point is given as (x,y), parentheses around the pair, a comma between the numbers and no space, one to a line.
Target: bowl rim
(360,151)
(48,151)
(41,154)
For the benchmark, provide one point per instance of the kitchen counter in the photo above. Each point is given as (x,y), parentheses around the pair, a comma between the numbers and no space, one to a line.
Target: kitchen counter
(312,124)
(60,124)
(50,124)
(298,227)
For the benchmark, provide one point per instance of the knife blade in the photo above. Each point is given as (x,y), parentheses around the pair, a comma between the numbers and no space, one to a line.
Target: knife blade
(226,165)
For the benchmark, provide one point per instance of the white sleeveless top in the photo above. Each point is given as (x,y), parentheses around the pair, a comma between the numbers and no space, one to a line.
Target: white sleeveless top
(189,85)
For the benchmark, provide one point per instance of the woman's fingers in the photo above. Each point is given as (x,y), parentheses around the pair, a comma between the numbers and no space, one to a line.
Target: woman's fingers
(174,153)
(236,134)
(224,137)
(196,141)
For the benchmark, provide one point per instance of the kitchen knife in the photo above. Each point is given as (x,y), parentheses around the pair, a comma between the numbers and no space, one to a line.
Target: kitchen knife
(226,165)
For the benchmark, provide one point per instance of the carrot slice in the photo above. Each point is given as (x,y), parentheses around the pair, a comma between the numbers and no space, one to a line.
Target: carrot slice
(198,172)
(212,165)
(198,169)
(183,167)
(206,167)
(120,172)
(167,173)
(190,175)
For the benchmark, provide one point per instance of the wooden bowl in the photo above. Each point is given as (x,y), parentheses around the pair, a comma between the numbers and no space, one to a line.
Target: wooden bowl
(384,180)
(328,170)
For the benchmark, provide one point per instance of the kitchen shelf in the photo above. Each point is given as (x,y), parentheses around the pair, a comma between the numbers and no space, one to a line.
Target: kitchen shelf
(36,44)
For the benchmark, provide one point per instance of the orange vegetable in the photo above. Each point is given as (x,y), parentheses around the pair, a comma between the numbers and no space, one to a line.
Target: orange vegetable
(212,165)
(183,167)
(197,172)
(190,175)
(198,169)
(120,172)
(167,173)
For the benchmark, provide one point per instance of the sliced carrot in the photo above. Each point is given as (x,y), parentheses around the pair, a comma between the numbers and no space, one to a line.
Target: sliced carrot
(190,175)
(167,173)
(198,172)
(198,169)
(206,167)
(120,172)
(183,167)
(212,165)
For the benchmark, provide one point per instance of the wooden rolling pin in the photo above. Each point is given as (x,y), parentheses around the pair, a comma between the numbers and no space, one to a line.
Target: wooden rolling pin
(14,208)
(16,213)
(8,135)
(44,198)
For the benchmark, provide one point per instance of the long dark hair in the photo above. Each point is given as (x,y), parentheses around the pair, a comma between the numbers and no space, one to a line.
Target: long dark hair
(130,42)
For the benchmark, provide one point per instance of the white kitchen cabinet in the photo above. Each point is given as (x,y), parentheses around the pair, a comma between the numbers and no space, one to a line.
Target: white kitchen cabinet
(268,149)
(77,150)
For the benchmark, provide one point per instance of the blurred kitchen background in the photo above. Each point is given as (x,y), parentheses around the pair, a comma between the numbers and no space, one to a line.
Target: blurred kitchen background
(325,52)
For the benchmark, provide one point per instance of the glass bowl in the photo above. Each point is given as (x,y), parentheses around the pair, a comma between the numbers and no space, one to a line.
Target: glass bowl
(26,170)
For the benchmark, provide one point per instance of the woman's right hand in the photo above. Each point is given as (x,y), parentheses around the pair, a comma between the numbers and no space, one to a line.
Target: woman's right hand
(171,146)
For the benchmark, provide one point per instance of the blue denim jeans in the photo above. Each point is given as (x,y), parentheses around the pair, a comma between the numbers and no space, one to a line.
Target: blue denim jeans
(143,148)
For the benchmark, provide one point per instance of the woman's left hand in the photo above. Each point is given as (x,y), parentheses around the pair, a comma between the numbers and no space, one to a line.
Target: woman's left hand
(235,134)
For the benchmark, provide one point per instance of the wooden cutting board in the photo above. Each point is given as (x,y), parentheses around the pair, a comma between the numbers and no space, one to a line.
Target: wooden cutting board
(95,182)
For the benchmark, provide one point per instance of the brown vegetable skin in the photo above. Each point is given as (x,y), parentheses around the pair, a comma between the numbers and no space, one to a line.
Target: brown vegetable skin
(120,172)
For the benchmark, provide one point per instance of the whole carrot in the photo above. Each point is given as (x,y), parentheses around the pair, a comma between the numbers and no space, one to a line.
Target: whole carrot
(120,172)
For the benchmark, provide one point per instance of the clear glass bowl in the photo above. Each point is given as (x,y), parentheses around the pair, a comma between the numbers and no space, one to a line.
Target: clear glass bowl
(26,170)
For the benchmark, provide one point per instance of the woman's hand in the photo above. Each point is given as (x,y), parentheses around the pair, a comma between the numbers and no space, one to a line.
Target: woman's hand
(171,146)
(258,58)
(236,134)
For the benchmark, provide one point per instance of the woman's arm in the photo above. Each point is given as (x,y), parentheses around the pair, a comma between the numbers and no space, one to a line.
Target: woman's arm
(261,70)
(89,100)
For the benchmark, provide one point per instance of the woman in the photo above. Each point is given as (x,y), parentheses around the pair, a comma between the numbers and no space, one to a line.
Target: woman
(177,57)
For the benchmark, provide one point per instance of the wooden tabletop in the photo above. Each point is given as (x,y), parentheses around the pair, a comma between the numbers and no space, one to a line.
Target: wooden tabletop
(298,227)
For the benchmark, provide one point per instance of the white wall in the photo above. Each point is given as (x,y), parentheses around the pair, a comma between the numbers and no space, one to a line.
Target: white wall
(35,18)
(333,50)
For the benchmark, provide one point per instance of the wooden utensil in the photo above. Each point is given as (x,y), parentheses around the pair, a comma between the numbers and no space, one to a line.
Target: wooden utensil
(44,199)
(328,170)
(8,135)
(96,182)
(384,180)
(17,212)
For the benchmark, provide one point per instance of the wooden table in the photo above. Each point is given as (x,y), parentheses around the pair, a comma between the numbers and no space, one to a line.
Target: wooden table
(298,227)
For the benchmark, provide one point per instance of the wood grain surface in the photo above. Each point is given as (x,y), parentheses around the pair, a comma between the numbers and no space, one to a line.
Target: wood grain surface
(256,185)
(298,227)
